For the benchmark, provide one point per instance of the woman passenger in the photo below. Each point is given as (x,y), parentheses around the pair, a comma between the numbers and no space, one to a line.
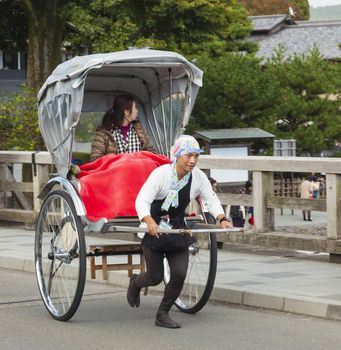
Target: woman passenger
(120,132)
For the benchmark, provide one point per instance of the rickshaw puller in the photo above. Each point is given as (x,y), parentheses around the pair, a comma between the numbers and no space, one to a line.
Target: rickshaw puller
(168,191)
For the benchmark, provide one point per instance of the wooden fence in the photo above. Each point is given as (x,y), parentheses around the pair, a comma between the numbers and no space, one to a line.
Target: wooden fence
(13,191)
(265,198)
(290,187)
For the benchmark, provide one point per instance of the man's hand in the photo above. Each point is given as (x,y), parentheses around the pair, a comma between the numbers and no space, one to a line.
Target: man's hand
(151,226)
(224,223)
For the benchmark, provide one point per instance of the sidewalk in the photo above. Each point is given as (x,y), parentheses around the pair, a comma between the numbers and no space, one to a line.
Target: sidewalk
(268,280)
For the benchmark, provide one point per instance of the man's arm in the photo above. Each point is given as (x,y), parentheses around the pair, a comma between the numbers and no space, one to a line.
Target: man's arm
(147,195)
(151,226)
(214,205)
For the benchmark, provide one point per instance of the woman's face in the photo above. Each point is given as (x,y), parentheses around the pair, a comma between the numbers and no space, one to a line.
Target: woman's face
(131,116)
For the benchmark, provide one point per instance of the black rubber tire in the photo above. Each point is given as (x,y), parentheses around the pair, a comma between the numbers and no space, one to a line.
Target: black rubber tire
(47,240)
(210,280)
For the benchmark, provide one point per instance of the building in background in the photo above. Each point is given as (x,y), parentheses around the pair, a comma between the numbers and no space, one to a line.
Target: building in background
(295,37)
(232,142)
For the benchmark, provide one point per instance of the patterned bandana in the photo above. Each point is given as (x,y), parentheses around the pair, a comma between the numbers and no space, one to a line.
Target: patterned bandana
(130,145)
(183,145)
(172,198)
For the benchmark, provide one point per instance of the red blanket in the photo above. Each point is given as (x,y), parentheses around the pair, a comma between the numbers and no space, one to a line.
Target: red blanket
(110,184)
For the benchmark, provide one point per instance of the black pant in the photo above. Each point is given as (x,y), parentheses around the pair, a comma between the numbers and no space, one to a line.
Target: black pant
(306,214)
(178,262)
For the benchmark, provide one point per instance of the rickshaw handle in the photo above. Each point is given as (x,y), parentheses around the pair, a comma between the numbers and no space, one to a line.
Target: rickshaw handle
(181,231)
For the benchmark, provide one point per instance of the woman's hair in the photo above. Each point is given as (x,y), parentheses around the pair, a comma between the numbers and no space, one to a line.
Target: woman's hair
(114,117)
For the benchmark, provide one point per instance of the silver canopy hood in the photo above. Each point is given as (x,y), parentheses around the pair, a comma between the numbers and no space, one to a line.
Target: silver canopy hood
(164,83)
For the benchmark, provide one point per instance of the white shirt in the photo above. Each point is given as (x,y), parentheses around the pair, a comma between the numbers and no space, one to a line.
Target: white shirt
(306,188)
(158,184)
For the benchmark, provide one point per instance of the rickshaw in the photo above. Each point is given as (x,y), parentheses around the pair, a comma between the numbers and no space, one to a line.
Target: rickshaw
(165,85)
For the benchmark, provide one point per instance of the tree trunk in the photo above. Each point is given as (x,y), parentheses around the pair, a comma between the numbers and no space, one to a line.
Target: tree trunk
(46,23)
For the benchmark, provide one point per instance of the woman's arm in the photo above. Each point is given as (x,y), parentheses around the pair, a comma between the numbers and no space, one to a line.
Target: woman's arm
(148,146)
(98,145)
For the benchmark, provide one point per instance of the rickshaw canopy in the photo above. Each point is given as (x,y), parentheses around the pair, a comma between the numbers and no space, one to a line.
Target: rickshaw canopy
(164,84)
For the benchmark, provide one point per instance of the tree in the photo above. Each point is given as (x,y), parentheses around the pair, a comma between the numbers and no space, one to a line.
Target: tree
(308,107)
(275,7)
(46,23)
(235,93)
(187,26)
(19,123)
(12,36)
(293,99)
(109,25)
(42,26)
(181,25)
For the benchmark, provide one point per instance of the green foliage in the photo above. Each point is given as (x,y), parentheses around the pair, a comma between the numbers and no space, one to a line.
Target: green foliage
(308,108)
(289,98)
(303,8)
(235,93)
(12,36)
(19,128)
(187,26)
(88,123)
(297,98)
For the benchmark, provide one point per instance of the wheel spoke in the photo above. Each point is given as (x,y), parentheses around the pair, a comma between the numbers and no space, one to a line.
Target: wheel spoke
(60,256)
(200,272)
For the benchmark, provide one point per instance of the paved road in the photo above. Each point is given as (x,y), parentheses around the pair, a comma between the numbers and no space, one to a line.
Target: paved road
(293,218)
(105,321)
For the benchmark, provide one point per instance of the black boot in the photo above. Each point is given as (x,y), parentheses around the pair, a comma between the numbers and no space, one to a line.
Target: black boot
(163,320)
(133,294)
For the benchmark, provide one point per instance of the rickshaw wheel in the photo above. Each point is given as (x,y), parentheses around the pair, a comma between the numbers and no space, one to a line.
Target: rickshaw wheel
(201,271)
(60,255)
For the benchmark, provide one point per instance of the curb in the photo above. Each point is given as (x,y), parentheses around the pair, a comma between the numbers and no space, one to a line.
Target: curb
(322,308)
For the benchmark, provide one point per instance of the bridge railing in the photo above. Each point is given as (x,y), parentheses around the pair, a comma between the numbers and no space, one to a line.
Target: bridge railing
(262,199)
(28,208)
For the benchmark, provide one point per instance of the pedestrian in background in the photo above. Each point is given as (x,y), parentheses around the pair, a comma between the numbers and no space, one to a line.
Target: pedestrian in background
(247,189)
(237,215)
(316,187)
(306,191)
